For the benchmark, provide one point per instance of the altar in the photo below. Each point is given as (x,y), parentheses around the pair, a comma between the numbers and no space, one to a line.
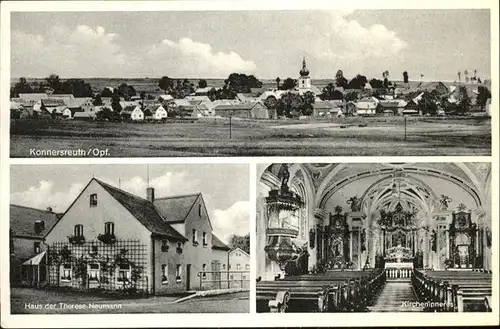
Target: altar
(398,263)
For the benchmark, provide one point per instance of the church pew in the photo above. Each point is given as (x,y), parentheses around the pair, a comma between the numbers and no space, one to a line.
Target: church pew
(333,291)
(280,294)
(457,290)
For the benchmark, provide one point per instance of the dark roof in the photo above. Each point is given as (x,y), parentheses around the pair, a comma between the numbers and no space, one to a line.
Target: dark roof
(218,244)
(22,221)
(144,211)
(322,105)
(389,104)
(244,106)
(176,208)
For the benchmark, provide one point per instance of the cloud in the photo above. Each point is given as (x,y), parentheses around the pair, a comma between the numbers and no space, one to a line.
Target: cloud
(346,39)
(43,195)
(93,52)
(193,59)
(69,53)
(233,220)
(169,183)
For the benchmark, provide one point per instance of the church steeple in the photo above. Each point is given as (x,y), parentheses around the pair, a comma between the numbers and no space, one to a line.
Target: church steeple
(304,72)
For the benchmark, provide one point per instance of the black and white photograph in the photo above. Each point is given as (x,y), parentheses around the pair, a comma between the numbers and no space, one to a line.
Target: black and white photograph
(361,82)
(374,237)
(129,239)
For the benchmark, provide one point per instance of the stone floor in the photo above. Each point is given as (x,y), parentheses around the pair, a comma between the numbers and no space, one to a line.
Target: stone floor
(395,296)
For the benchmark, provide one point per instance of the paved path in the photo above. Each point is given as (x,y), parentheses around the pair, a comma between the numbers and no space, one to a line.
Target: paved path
(393,298)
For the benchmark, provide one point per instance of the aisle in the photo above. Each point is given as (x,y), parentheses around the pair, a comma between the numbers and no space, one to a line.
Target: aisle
(394,297)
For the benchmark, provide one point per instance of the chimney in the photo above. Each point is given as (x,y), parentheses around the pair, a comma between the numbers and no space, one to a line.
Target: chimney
(49,209)
(150,192)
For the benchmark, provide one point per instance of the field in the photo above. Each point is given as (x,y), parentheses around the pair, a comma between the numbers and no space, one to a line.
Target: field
(37,301)
(352,136)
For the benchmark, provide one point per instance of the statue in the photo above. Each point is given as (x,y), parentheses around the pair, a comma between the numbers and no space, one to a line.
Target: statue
(445,201)
(355,203)
(284,175)
(462,207)
(434,240)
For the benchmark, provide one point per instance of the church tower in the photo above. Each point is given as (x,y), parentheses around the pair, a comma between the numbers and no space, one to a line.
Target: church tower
(304,79)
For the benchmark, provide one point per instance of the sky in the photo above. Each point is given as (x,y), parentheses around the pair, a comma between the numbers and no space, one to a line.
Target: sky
(213,44)
(225,187)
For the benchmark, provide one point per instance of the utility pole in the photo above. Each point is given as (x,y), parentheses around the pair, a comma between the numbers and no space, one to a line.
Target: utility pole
(405,128)
(230,132)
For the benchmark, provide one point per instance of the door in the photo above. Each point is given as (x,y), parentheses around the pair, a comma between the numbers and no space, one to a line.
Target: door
(188,277)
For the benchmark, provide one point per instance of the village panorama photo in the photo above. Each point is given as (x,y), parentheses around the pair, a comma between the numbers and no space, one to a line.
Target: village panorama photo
(375,237)
(250,83)
(129,239)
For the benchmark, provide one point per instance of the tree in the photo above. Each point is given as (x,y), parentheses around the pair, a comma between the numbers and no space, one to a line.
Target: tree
(290,104)
(464,101)
(351,96)
(387,83)
(340,81)
(271,102)
(54,82)
(358,82)
(212,94)
(405,77)
(329,93)
(115,102)
(483,96)
(21,87)
(238,241)
(126,91)
(241,83)
(376,83)
(428,103)
(106,92)
(165,83)
(97,100)
(308,99)
(202,83)
(288,84)
(278,83)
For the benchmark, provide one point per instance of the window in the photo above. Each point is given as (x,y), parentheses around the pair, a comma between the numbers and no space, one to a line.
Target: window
(39,226)
(164,274)
(66,272)
(204,268)
(94,270)
(93,200)
(36,247)
(229,267)
(124,273)
(238,266)
(179,248)
(205,239)
(178,273)
(109,228)
(247,266)
(223,266)
(195,238)
(199,210)
(164,245)
(79,230)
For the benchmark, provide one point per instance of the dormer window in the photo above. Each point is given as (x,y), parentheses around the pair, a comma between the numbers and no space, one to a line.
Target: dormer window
(39,226)
(109,228)
(79,230)
(93,200)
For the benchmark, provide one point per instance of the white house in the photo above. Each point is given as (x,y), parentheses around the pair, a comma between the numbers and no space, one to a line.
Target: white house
(156,112)
(239,260)
(133,113)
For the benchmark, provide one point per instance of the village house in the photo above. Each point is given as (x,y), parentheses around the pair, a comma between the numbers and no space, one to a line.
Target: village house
(363,107)
(390,108)
(28,227)
(110,239)
(155,112)
(247,110)
(132,113)
(322,109)
(239,260)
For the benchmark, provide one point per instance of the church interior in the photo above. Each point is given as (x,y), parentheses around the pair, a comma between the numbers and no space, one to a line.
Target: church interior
(374,237)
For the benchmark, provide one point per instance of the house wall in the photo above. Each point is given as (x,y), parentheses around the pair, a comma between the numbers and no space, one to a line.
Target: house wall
(137,114)
(238,257)
(197,255)
(23,249)
(234,113)
(259,111)
(171,258)
(127,227)
(219,262)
